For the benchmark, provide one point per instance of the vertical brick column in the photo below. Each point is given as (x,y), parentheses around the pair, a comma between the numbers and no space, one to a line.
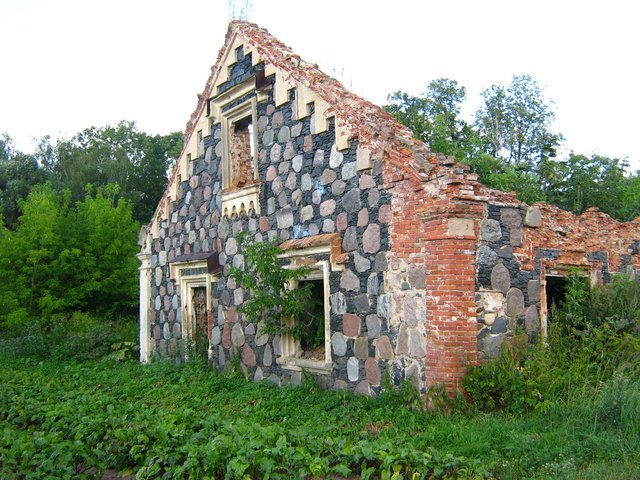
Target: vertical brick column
(435,228)
(450,252)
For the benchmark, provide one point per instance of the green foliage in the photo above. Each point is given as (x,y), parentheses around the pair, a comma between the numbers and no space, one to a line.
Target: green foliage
(405,394)
(434,117)
(510,178)
(65,420)
(168,421)
(138,163)
(591,360)
(629,207)
(273,302)
(75,336)
(583,182)
(503,384)
(19,173)
(514,122)
(511,147)
(63,259)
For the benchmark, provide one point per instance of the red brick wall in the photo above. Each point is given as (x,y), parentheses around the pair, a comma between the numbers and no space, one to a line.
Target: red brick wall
(420,234)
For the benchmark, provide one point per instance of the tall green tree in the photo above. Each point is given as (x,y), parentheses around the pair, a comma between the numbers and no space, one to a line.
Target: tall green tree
(595,181)
(514,123)
(63,258)
(19,173)
(630,204)
(118,154)
(434,117)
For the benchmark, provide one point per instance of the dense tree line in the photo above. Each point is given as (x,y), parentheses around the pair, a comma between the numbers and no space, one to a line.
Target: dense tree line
(69,221)
(137,162)
(511,146)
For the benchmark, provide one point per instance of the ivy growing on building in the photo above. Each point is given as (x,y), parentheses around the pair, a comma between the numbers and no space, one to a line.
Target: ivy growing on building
(273,301)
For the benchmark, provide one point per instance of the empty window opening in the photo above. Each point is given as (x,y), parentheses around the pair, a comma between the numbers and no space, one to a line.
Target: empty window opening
(199,318)
(556,291)
(310,346)
(241,148)
(557,288)
(311,322)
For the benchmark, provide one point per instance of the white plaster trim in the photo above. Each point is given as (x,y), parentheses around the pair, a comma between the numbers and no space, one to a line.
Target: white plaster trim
(246,198)
(310,251)
(145,299)
(238,202)
(187,284)
(290,346)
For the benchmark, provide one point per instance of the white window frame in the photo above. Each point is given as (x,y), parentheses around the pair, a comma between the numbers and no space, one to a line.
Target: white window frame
(187,284)
(291,347)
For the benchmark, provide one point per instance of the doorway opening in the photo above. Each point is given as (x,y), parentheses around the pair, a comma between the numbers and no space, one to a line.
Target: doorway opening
(556,291)
(199,335)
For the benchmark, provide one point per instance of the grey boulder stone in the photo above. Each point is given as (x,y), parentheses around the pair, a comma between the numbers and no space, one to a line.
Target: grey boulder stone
(500,278)
(349,281)
(533,218)
(338,303)
(490,230)
(351,200)
(339,344)
(374,326)
(511,217)
(486,256)
(515,302)
(531,320)
(237,335)
(353,369)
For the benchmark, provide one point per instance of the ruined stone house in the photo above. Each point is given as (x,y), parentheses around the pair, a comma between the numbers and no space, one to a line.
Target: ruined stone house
(420,270)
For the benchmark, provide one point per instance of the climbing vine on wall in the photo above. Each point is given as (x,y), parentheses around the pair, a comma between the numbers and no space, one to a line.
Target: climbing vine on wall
(273,302)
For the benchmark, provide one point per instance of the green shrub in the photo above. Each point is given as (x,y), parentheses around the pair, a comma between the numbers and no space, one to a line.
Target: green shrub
(77,336)
(272,302)
(593,345)
(62,259)
(504,383)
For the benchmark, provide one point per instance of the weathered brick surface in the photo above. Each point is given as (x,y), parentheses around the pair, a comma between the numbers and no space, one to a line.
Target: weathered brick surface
(535,240)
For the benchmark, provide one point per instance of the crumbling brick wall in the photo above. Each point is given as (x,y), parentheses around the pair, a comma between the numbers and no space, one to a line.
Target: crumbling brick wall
(519,245)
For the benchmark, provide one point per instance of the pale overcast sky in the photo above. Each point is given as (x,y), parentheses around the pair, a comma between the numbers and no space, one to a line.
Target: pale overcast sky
(70,64)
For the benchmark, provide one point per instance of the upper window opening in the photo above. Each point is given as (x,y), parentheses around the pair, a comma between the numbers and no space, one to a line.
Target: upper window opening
(239,165)
(241,156)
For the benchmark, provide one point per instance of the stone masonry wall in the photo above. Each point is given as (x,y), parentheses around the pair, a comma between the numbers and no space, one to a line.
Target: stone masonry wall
(431,275)
(308,188)
(517,246)
(508,295)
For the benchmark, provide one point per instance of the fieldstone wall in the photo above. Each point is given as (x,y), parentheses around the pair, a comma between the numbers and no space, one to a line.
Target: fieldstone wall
(508,296)
(308,188)
(518,243)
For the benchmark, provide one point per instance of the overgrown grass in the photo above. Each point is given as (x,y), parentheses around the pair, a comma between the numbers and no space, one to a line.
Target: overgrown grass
(570,410)
(586,379)
(76,419)
(77,336)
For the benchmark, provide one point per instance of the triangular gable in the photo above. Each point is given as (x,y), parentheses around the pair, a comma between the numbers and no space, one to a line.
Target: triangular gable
(377,133)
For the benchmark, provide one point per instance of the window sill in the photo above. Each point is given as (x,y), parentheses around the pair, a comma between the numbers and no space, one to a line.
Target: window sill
(298,364)
(241,201)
